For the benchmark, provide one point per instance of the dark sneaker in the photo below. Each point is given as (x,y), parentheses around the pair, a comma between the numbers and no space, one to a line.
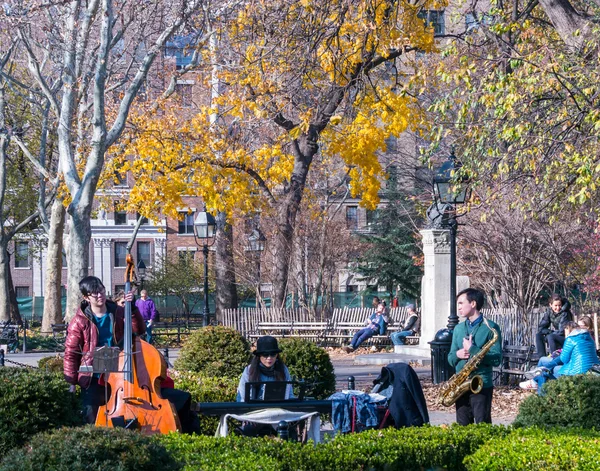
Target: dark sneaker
(348,348)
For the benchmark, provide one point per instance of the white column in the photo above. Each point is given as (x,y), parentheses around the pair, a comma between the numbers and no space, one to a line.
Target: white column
(102,262)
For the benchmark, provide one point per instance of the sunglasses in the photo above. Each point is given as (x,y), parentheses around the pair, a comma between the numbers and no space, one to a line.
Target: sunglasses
(268,355)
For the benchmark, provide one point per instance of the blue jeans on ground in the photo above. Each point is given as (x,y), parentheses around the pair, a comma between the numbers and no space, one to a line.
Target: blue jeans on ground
(361,336)
(399,338)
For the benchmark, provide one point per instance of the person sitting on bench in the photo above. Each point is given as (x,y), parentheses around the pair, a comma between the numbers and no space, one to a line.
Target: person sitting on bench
(376,325)
(410,327)
(552,326)
(265,366)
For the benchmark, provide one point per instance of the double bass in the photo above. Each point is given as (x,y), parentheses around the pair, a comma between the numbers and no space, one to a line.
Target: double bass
(135,401)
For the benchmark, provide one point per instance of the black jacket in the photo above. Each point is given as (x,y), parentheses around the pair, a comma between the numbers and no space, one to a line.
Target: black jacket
(407,405)
(556,320)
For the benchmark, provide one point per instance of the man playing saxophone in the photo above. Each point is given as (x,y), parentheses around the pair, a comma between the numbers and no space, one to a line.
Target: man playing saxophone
(469,338)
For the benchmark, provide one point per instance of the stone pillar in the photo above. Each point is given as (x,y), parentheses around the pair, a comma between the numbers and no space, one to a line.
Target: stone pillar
(435,289)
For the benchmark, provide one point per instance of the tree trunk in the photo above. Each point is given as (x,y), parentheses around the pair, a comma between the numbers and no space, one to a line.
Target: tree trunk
(78,254)
(573,28)
(226,291)
(287,210)
(15,314)
(4,277)
(52,300)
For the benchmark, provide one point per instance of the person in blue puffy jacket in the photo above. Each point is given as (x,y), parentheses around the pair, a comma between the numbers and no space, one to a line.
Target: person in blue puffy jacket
(578,355)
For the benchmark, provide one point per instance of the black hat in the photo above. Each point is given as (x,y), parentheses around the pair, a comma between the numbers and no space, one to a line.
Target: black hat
(266,344)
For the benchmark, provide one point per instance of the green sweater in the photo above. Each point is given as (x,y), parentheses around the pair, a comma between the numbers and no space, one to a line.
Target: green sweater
(481,334)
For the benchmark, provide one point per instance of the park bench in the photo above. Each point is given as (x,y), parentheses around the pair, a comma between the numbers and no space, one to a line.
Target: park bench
(9,335)
(315,331)
(516,360)
(342,332)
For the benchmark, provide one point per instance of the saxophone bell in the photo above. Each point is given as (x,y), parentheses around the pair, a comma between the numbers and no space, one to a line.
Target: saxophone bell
(473,384)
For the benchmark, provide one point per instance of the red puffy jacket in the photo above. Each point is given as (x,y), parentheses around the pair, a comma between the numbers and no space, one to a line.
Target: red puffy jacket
(82,339)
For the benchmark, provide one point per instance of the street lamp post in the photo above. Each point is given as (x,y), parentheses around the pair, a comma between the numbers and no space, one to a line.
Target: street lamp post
(141,269)
(448,193)
(204,231)
(256,245)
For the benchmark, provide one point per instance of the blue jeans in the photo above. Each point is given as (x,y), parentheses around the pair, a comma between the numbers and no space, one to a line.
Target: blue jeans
(545,377)
(361,336)
(399,338)
(148,332)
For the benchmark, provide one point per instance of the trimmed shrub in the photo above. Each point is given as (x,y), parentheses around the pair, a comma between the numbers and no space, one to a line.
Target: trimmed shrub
(527,449)
(310,363)
(33,401)
(91,448)
(206,389)
(406,449)
(214,351)
(570,401)
(54,364)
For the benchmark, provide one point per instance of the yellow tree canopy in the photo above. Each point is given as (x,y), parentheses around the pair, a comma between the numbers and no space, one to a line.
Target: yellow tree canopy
(295,77)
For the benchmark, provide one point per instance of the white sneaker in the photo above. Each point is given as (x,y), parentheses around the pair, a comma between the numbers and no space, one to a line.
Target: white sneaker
(528,385)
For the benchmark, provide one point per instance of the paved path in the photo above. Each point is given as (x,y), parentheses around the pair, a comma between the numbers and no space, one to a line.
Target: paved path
(363,375)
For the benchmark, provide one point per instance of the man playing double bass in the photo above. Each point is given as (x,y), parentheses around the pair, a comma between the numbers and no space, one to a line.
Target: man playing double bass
(100,322)
(97,323)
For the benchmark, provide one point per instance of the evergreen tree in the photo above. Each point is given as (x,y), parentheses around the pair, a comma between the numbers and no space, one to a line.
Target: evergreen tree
(393,249)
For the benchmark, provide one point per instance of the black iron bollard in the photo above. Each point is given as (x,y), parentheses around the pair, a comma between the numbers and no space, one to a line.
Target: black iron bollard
(283,430)
(166,353)
(351,383)
(1,357)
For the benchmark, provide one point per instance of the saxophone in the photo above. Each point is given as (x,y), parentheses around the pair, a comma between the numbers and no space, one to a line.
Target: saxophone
(462,381)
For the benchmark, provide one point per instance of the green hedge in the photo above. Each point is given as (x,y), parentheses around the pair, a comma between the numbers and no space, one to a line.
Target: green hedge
(543,449)
(405,449)
(91,448)
(33,401)
(54,364)
(214,351)
(310,363)
(473,448)
(206,389)
(570,401)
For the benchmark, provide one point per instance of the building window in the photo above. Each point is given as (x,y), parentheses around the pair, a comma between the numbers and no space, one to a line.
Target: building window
(120,254)
(186,255)
(186,223)
(352,217)
(22,255)
(143,253)
(371,216)
(64,259)
(392,181)
(119,288)
(22,291)
(182,49)
(63,292)
(434,18)
(184,91)
(120,218)
(144,218)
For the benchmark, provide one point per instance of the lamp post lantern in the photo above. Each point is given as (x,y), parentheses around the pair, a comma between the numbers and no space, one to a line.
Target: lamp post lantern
(141,269)
(256,245)
(204,234)
(449,192)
